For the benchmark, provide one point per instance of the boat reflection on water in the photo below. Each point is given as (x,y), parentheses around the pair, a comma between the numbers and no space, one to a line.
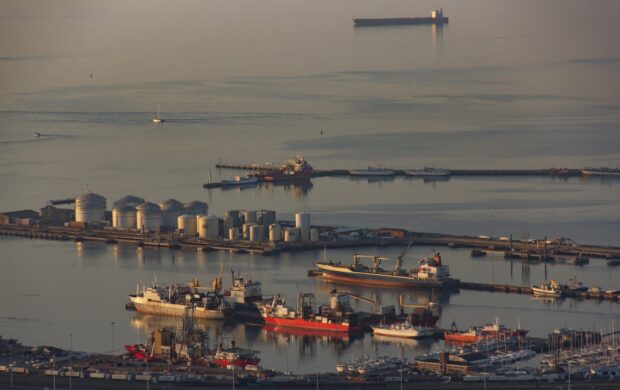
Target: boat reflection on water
(299,188)
(372,179)
(424,344)
(307,340)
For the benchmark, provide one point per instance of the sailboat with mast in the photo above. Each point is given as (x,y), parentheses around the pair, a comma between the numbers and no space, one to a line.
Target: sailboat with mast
(158,119)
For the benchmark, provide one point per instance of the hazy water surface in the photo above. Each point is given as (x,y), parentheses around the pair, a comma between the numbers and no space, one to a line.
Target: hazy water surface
(506,84)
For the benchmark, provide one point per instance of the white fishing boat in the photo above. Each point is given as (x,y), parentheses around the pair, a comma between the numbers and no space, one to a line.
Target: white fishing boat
(551,289)
(402,329)
(239,181)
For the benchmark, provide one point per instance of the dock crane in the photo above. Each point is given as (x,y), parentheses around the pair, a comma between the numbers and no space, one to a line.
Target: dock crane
(399,259)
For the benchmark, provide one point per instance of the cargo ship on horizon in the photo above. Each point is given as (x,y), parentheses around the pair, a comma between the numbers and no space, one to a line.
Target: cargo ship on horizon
(436,18)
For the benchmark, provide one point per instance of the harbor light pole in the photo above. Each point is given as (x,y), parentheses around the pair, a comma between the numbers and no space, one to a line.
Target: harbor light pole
(112,327)
(70,359)
(11,362)
(54,368)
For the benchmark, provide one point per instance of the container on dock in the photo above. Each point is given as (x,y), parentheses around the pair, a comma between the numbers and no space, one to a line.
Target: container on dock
(208,226)
(99,375)
(249,216)
(171,209)
(124,217)
(233,234)
(89,207)
(302,220)
(187,224)
(148,217)
(144,377)
(195,208)
(304,234)
(120,376)
(234,217)
(275,232)
(257,233)
(291,234)
(314,234)
(20,370)
(266,217)
(52,372)
(167,378)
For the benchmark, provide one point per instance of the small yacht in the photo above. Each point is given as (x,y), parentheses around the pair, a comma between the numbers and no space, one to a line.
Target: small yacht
(158,119)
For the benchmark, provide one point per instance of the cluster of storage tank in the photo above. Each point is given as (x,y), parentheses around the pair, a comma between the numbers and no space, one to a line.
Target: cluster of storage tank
(192,219)
(262,225)
(132,212)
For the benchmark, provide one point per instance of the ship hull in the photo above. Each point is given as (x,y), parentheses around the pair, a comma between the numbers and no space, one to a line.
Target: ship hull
(462,338)
(403,333)
(301,323)
(345,275)
(173,310)
(398,21)
(538,292)
(283,178)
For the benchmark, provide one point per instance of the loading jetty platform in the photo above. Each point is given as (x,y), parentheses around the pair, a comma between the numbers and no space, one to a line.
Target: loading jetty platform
(545,172)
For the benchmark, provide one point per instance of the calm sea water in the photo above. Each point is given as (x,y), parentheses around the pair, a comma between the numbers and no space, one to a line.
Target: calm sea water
(505,85)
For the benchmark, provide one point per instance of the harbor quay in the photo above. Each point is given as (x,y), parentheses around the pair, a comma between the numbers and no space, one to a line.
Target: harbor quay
(593,362)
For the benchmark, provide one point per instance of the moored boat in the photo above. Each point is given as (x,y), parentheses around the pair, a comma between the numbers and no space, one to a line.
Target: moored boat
(551,289)
(334,317)
(472,335)
(172,300)
(239,181)
(238,357)
(372,171)
(297,169)
(402,329)
(431,273)
(602,171)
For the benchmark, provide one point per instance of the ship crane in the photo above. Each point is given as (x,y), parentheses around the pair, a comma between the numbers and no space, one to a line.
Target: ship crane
(399,259)
(374,260)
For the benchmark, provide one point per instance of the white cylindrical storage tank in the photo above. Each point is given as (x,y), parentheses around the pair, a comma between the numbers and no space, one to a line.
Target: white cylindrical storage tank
(304,234)
(302,220)
(233,217)
(266,217)
(208,226)
(129,200)
(90,207)
(124,217)
(233,234)
(275,232)
(314,234)
(148,216)
(229,222)
(187,224)
(291,234)
(249,216)
(195,208)
(171,210)
(246,231)
(256,233)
